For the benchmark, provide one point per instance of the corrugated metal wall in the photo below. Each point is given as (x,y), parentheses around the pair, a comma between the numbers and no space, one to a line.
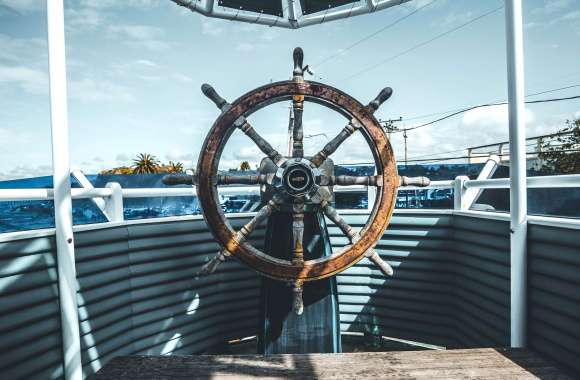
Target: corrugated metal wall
(481,287)
(450,287)
(415,303)
(137,294)
(554,294)
(30,339)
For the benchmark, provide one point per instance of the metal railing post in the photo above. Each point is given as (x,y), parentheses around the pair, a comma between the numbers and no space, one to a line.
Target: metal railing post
(471,194)
(518,194)
(85,183)
(114,203)
(459,191)
(65,251)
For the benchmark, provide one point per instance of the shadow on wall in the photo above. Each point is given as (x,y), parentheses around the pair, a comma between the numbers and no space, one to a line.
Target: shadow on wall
(450,285)
(30,339)
(140,294)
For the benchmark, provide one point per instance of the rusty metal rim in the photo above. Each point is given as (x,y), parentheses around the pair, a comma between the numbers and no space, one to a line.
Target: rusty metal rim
(336,100)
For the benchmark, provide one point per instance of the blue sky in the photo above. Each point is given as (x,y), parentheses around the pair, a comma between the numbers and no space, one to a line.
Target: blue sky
(135,68)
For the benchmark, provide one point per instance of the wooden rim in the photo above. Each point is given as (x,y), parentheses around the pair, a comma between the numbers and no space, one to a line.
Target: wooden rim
(378,142)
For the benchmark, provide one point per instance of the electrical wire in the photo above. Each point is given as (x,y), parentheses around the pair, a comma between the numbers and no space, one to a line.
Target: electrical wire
(415,47)
(459,109)
(482,106)
(466,157)
(388,26)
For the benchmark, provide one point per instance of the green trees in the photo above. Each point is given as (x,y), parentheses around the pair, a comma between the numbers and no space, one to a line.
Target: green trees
(562,154)
(145,164)
(245,165)
(173,167)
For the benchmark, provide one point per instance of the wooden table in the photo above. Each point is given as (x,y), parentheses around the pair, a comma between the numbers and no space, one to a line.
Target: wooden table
(483,363)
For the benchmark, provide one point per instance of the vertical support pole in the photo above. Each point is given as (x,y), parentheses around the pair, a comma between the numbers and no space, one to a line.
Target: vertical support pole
(518,194)
(459,192)
(62,195)
(114,204)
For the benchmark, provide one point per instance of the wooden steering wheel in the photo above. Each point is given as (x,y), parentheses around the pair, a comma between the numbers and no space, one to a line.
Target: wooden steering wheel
(297,179)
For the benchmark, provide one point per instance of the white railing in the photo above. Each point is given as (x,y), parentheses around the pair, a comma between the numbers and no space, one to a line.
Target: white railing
(465,191)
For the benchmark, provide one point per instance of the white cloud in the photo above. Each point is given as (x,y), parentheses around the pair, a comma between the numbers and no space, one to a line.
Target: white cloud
(82,18)
(108,4)
(91,90)
(178,155)
(491,116)
(140,36)
(246,47)
(574,15)
(22,6)
(553,6)
(122,157)
(245,153)
(212,27)
(30,80)
(26,171)
(15,138)
(147,63)
(182,77)
(22,50)
(454,18)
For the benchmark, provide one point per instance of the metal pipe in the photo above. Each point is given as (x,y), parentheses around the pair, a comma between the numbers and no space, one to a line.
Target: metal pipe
(518,195)
(65,249)
(544,182)
(288,21)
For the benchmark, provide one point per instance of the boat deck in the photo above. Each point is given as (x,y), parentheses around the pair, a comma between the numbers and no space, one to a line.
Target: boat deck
(484,363)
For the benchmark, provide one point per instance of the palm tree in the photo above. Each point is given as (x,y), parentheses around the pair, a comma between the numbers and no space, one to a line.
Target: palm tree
(175,167)
(145,164)
(245,165)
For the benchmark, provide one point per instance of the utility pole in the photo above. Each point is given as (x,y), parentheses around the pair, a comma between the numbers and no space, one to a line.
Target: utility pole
(389,126)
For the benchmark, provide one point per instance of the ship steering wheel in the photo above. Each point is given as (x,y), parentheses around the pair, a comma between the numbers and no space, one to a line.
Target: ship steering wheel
(297,180)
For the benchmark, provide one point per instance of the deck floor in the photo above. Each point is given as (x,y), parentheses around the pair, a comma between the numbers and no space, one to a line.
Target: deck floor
(484,363)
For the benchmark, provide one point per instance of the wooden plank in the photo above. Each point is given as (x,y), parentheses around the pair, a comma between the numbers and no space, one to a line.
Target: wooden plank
(484,363)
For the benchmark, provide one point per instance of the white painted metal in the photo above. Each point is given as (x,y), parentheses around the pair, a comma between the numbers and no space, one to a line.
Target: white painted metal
(114,204)
(551,181)
(47,194)
(289,19)
(65,252)
(556,181)
(518,191)
(459,193)
(471,194)
(85,183)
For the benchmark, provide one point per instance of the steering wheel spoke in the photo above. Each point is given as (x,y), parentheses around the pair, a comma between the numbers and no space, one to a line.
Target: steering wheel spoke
(242,124)
(297,301)
(353,237)
(260,142)
(297,130)
(241,236)
(297,178)
(298,232)
(333,144)
(260,179)
(348,180)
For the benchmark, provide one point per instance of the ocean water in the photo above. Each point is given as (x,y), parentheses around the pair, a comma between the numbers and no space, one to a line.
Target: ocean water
(28,215)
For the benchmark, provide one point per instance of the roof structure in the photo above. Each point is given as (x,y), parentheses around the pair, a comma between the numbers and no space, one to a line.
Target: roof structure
(291,14)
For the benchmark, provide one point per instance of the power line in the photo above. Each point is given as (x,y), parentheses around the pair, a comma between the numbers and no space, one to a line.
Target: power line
(487,105)
(372,35)
(501,155)
(459,109)
(422,44)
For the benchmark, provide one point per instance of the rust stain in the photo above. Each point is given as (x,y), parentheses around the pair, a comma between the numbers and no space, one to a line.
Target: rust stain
(220,227)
